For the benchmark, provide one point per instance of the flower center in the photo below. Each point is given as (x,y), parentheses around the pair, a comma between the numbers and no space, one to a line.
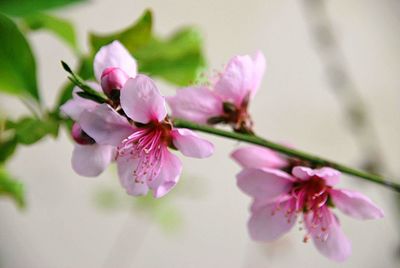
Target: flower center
(145,148)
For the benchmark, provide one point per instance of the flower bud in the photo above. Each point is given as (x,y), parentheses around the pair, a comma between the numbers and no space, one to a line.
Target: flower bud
(80,136)
(112,81)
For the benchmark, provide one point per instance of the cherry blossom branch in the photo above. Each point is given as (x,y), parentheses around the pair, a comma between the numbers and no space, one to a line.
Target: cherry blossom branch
(315,160)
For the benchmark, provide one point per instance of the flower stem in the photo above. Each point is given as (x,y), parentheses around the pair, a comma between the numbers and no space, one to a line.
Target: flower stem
(315,160)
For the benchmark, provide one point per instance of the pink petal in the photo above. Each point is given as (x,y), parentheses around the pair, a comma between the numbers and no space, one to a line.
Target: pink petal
(264,183)
(333,244)
(169,174)
(126,167)
(330,175)
(105,125)
(91,160)
(355,204)
(269,223)
(75,106)
(190,144)
(258,157)
(141,100)
(196,104)
(114,55)
(258,72)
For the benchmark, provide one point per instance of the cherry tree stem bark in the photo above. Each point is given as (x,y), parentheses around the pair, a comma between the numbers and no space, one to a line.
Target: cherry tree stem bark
(313,159)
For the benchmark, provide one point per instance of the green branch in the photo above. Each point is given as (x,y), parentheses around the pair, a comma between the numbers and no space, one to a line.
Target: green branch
(315,160)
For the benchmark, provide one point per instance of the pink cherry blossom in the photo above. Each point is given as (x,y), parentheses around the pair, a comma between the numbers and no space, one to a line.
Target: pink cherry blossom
(113,65)
(258,157)
(280,198)
(227,99)
(143,158)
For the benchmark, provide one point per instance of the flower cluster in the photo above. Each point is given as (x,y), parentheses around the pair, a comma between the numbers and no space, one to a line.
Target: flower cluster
(133,129)
(283,192)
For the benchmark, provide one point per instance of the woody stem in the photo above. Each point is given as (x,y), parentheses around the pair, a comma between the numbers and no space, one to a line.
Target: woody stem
(313,159)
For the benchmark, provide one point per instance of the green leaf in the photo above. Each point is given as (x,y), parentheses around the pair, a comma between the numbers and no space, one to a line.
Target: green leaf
(7,148)
(11,187)
(134,37)
(27,7)
(30,130)
(178,59)
(17,64)
(58,26)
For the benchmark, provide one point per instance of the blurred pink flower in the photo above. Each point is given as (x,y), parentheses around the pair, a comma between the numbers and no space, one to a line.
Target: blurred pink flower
(279,198)
(113,61)
(258,157)
(143,159)
(228,99)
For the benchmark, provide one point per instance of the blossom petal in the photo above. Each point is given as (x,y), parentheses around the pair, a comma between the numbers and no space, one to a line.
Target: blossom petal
(105,125)
(330,175)
(91,160)
(196,104)
(264,183)
(332,243)
(141,100)
(302,173)
(171,168)
(258,71)
(126,167)
(114,55)
(269,223)
(75,106)
(258,157)
(236,81)
(190,144)
(355,204)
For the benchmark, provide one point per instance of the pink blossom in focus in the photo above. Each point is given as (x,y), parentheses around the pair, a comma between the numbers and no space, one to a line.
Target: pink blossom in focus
(143,158)
(228,98)
(115,64)
(280,198)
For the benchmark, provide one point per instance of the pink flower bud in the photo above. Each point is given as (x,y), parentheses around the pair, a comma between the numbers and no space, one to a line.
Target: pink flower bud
(112,80)
(80,136)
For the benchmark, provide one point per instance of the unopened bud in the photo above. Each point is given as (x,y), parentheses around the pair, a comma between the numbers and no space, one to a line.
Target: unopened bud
(112,81)
(80,136)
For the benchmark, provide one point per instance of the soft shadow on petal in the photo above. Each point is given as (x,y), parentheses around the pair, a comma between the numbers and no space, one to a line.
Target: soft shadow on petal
(141,100)
(126,167)
(171,168)
(258,157)
(114,55)
(190,144)
(334,244)
(196,104)
(105,125)
(267,223)
(91,160)
(264,183)
(355,205)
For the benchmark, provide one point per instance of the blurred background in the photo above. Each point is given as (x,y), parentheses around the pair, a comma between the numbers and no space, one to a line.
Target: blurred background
(331,87)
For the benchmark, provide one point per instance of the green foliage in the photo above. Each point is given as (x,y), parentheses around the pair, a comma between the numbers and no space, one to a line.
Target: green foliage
(7,148)
(30,130)
(11,188)
(17,64)
(60,27)
(178,59)
(133,38)
(27,7)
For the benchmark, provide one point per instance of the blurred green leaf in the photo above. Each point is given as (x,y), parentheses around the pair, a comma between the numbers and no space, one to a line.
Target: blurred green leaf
(133,37)
(27,7)
(17,64)
(178,59)
(30,130)
(58,26)
(11,187)
(7,148)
